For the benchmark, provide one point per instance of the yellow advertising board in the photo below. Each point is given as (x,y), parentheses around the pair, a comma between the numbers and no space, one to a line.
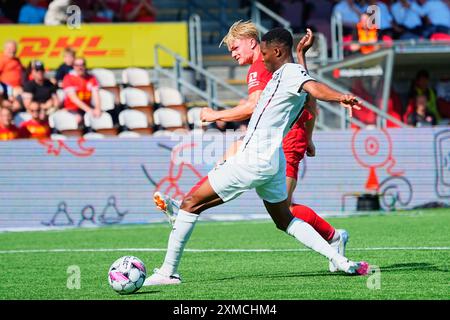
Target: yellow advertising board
(118,45)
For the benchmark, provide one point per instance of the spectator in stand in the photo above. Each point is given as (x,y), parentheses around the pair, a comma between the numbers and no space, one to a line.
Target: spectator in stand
(443,98)
(37,127)
(6,95)
(421,117)
(350,13)
(40,89)
(386,23)
(80,88)
(32,13)
(11,69)
(437,17)
(139,11)
(65,67)
(407,15)
(8,130)
(57,12)
(3,18)
(366,35)
(421,86)
(106,10)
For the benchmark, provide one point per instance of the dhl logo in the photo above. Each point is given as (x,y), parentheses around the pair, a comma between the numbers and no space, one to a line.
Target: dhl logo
(87,46)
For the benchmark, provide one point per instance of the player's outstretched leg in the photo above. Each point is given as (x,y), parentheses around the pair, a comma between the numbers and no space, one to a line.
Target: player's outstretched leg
(337,238)
(201,199)
(306,234)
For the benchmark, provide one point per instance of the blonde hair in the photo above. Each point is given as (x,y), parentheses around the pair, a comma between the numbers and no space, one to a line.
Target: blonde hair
(240,30)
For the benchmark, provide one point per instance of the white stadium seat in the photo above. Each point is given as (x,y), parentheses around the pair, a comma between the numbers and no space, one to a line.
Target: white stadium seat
(106,100)
(136,77)
(193,117)
(93,136)
(133,119)
(168,96)
(168,118)
(63,120)
(105,77)
(129,134)
(103,122)
(134,97)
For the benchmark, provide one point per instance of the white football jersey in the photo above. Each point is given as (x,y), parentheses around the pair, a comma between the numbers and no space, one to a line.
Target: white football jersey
(278,108)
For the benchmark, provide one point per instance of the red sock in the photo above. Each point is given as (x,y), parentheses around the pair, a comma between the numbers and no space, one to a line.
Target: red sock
(309,216)
(199,183)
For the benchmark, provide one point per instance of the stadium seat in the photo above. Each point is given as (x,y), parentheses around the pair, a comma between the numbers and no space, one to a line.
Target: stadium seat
(65,122)
(135,120)
(107,81)
(57,136)
(193,117)
(93,136)
(163,133)
(129,134)
(140,79)
(169,119)
(21,117)
(135,77)
(172,98)
(104,124)
(137,99)
(168,96)
(106,100)
(105,77)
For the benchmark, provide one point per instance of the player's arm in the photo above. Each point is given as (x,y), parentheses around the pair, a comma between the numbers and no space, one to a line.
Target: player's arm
(305,43)
(323,92)
(311,106)
(240,112)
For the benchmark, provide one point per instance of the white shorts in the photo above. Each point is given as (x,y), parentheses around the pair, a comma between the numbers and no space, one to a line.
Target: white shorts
(231,178)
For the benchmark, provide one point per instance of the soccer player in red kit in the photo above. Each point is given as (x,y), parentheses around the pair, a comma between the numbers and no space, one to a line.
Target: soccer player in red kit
(242,41)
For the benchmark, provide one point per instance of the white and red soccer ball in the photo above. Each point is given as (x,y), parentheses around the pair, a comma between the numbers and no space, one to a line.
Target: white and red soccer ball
(127,275)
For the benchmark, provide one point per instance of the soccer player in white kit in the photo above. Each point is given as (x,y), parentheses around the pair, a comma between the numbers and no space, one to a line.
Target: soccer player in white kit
(260,163)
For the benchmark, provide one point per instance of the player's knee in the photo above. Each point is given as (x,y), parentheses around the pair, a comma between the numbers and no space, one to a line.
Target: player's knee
(190,204)
(281,225)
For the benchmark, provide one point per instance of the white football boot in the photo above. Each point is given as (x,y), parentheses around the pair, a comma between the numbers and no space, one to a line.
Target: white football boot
(159,279)
(167,205)
(339,246)
(360,268)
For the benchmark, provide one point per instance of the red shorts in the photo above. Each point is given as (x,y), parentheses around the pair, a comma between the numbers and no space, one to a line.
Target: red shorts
(295,144)
(294,147)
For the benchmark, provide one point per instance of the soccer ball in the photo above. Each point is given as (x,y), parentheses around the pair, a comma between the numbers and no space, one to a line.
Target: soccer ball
(127,275)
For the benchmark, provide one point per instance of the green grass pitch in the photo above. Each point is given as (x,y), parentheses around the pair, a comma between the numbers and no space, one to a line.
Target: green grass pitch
(411,249)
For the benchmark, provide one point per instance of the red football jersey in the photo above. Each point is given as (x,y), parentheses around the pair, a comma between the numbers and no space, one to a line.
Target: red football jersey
(9,133)
(83,87)
(34,129)
(257,76)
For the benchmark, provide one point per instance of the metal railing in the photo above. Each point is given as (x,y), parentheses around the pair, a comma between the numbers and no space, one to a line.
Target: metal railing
(258,8)
(195,40)
(212,82)
(382,116)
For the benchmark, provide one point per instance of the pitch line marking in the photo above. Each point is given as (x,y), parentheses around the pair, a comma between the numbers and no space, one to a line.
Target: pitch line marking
(212,250)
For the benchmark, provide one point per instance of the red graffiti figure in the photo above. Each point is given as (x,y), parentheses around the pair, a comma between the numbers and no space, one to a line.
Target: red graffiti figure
(176,173)
(372,149)
(55,147)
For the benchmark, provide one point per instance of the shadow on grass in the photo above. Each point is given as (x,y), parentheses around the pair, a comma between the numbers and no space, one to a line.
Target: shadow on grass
(147,292)
(415,266)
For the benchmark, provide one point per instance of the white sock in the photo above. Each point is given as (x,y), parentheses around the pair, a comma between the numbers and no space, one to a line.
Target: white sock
(181,232)
(306,234)
(336,236)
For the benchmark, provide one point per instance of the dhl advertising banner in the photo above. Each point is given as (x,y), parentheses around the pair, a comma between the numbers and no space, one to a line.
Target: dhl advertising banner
(103,45)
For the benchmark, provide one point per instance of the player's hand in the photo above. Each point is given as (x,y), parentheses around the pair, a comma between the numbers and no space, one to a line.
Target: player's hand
(305,42)
(208,115)
(349,102)
(311,149)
